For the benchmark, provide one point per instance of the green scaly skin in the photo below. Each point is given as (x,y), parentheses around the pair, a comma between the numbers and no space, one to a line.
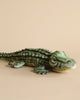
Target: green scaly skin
(42,60)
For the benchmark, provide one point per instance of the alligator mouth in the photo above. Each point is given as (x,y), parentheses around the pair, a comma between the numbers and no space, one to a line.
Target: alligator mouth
(74,67)
(71,65)
(66,67)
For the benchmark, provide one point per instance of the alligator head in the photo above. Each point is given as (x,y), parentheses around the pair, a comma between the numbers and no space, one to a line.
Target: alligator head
(59,61)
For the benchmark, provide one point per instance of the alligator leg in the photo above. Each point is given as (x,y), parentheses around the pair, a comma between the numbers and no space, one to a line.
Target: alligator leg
(16,64)
(40,69)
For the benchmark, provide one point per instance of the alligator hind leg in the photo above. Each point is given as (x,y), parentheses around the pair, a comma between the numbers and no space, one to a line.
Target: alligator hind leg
(16,64)
(40,69)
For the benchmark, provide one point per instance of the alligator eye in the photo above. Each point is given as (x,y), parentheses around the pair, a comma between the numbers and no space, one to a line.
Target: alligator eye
(54,59)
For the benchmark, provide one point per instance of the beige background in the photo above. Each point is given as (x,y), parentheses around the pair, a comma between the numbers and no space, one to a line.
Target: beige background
(50,24)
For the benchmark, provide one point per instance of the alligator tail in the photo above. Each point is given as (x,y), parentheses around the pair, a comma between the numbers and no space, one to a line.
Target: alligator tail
(5,55)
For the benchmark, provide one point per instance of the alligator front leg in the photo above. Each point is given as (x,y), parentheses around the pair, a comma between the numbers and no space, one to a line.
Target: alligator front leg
(41,69)
(16,64)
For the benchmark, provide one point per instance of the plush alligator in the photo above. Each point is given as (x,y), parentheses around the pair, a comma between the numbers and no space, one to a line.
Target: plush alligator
(42,60)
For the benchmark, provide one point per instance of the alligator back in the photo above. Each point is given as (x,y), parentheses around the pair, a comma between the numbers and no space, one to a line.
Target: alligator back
(31,57)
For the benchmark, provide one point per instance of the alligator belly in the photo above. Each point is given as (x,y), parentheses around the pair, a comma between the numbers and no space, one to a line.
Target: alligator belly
(32,61)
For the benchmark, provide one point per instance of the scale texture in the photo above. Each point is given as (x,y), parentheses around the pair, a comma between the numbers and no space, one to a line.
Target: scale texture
(42,60)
